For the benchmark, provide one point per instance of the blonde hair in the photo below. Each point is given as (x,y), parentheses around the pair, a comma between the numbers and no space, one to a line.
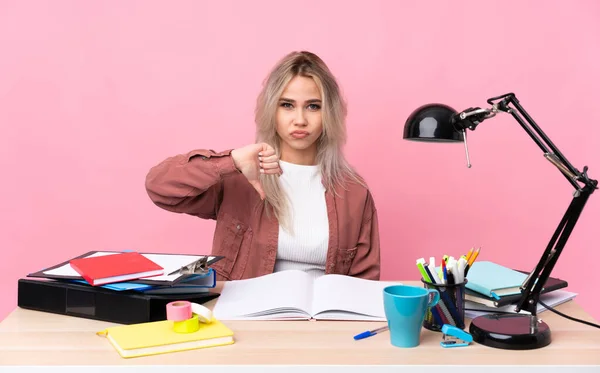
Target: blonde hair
(335,170)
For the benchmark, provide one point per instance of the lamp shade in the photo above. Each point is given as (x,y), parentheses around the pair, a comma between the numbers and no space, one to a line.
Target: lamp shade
(433,123)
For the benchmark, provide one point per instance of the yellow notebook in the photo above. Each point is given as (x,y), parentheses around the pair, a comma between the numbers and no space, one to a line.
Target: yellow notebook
(158,337)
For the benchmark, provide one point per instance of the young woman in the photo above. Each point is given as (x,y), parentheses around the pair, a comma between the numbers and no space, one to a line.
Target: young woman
(288,201)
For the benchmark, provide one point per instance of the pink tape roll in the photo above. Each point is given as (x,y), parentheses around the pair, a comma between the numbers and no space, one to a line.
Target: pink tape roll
(179,310)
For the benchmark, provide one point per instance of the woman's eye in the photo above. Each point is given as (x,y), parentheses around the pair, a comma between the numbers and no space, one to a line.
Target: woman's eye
(314,107)
(286,105)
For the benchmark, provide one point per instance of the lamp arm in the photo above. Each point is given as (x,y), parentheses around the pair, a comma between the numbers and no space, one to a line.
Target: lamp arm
(533,285)
(535,281)
(550,150)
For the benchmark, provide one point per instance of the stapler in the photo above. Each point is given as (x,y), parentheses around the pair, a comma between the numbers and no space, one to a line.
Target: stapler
(455,337)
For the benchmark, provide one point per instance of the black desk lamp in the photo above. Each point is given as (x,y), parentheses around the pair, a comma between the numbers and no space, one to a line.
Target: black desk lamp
(441,123)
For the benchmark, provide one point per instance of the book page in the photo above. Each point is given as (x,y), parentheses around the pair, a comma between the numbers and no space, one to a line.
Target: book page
(278,295)
(339,297)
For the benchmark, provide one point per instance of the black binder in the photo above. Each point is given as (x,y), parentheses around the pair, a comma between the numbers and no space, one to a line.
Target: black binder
(80,300)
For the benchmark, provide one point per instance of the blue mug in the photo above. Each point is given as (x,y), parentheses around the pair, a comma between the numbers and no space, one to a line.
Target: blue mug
(405,307)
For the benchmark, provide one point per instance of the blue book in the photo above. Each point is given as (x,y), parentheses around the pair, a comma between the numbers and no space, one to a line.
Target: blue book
(494,280)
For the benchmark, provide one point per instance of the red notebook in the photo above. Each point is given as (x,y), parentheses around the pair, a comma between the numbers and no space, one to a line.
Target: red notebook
(106,269)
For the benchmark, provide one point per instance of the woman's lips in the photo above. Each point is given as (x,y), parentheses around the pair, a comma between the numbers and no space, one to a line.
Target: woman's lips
(299,134)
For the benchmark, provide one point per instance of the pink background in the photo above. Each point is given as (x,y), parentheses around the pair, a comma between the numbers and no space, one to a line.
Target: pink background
(92,94)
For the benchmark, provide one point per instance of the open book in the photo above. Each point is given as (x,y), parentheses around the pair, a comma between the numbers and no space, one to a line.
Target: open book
(294,295)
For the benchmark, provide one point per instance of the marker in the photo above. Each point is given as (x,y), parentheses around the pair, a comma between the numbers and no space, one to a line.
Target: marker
(420,263)
(370,333)
(450,279)
(455,270)
(429,273)
(462,263)
(436,278)
(432,262)
(445,272)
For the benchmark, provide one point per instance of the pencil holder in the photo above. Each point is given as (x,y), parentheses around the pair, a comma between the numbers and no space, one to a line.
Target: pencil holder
(449,310)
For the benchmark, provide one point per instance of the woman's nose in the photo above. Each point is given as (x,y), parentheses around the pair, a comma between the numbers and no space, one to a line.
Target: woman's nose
(300,120)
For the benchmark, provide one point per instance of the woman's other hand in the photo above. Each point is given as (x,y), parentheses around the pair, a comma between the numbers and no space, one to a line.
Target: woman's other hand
(255,159)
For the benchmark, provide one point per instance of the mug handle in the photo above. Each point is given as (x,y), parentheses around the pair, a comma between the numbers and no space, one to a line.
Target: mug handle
(435,299)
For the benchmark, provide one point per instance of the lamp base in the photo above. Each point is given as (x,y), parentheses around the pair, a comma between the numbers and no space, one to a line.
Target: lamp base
(510,331)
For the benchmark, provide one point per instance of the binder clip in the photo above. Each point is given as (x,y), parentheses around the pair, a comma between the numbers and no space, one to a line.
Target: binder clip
(198,267)
(455,337)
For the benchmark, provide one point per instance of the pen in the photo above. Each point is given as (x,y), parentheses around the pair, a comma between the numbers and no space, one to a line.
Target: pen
(370,333)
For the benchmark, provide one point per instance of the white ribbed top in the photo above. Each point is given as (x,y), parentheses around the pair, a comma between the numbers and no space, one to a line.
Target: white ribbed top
(306,247)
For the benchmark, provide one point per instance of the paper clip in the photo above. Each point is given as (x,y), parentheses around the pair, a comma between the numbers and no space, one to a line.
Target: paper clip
(455,337)
(199,267)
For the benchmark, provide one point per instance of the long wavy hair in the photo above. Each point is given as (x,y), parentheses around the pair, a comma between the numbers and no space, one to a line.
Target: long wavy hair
(334,168)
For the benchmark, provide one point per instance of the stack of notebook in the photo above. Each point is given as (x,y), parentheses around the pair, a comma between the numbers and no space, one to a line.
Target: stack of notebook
(122,287)
(493,288)
(146,273)
(134,289)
